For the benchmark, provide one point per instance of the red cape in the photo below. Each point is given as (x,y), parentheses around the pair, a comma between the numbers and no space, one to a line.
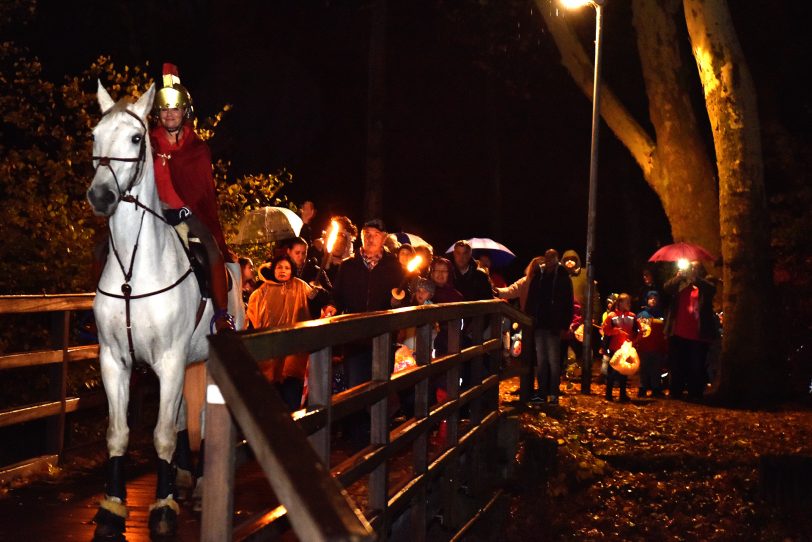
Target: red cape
(190,169)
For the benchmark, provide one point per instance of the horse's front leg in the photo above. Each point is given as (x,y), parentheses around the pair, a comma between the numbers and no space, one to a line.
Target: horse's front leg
(184,479)
(164,511)
(110,518)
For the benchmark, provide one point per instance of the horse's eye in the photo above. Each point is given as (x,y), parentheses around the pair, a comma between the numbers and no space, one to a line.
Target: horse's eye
(136,139)
(92,137)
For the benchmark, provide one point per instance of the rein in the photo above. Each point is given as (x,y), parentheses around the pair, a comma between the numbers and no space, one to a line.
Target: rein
(140,159)
(126,289)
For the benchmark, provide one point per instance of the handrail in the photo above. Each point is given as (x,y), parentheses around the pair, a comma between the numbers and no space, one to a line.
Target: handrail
(352,327)
(19,304)
(291,452)
(58,358)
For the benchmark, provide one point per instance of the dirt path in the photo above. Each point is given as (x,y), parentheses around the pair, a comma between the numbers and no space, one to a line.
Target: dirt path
(660,470)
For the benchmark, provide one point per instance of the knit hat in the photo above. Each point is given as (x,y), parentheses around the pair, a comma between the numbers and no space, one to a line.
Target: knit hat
(426,284)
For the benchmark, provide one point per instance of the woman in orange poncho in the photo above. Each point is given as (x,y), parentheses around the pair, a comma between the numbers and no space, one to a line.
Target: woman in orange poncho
(281,301)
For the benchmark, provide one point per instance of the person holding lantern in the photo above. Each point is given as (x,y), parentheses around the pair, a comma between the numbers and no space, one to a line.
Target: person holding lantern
(620,326)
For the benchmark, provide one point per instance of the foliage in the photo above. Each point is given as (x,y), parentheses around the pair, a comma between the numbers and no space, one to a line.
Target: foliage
(49,229)
(654,470)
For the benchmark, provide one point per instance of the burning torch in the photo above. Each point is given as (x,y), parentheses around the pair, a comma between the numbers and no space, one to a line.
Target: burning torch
(331,241)
(400,292)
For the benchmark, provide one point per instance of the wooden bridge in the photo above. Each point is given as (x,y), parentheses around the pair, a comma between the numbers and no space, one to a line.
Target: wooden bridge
(295,476)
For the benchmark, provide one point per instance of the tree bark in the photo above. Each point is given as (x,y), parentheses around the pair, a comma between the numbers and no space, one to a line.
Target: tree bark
(747,370)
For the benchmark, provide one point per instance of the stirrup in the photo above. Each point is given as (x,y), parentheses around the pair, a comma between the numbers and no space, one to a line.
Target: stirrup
(224,315)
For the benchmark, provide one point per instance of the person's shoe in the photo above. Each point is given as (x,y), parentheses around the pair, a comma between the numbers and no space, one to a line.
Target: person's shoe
(608,397)
(537,400)
(641,393)
(553,400)
(221,321)
(624,398)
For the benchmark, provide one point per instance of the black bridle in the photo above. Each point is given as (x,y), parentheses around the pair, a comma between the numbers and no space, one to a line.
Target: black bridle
(126,289)
(140,159)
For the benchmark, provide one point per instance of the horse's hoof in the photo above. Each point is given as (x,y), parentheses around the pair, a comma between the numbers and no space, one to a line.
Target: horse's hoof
(163,518)
(109,526)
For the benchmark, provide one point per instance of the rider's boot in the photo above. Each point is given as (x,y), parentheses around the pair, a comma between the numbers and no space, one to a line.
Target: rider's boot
(221,320)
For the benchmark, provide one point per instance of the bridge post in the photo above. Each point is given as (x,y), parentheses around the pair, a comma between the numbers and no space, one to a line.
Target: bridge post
(218,479)
(420,448)
(58,384)
(451,481)
(379,431)
(319,394)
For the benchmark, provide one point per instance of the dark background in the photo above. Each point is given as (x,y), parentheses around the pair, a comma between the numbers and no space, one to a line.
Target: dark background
(471,88)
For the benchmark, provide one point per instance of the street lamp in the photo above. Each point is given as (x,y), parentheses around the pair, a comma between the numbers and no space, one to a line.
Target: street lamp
(586,367)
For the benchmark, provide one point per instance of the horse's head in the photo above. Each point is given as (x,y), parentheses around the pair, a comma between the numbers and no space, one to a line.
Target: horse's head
(120,149)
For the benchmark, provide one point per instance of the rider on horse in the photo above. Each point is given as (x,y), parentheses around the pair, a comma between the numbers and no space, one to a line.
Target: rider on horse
(183,176)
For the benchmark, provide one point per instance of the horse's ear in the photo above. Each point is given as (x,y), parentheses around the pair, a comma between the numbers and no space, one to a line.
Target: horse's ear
(144,103)
(105,101)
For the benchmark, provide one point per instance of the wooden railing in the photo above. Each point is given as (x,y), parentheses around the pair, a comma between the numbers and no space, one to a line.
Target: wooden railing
(294,451)
(59,404)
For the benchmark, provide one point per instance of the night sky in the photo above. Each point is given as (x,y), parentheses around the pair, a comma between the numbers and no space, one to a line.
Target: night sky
(457,89)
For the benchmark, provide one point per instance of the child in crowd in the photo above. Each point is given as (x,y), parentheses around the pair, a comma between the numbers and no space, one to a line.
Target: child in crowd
(651,345)
(604,344)
(619,326)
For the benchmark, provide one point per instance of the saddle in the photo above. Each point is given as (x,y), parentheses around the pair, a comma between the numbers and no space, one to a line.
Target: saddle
(199,261)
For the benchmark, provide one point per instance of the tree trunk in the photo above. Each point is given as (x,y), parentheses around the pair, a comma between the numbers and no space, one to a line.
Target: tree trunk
(676,164)
(373,196)
(748,370)
(682,173)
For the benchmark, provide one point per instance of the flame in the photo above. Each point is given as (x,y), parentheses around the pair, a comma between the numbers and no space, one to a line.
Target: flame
(414,263)
(575,4)
(331,239)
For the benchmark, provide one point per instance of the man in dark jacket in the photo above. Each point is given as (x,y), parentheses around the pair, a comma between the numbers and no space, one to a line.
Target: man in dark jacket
(473,283)
(549,301)
(364,283)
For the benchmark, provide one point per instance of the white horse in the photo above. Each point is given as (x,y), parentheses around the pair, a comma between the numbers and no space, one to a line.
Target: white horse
(146,305)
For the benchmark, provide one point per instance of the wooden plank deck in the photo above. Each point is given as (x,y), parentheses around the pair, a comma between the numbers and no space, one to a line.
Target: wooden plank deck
(47,511)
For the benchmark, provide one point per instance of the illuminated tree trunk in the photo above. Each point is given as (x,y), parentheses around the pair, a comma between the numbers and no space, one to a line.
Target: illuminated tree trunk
(747,365)
(675,163)
(732,222)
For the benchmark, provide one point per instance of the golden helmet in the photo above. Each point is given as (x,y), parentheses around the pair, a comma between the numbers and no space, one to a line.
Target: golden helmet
(173,95)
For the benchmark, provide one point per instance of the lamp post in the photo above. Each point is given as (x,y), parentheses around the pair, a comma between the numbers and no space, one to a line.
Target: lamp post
(586,367)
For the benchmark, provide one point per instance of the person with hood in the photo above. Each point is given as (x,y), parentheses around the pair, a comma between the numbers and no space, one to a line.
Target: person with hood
(282,300)
(580,291)
(651,346)
(550,302)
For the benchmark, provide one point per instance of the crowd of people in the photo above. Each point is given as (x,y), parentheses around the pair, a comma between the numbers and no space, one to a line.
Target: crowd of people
(317,275)
(670,326)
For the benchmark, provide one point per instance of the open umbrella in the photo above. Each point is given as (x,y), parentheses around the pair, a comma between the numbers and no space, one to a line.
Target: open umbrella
(679,251)
(499,253)
(412,239)
(265,225)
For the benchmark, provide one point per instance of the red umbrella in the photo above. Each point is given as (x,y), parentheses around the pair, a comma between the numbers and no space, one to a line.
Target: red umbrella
(679,251)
